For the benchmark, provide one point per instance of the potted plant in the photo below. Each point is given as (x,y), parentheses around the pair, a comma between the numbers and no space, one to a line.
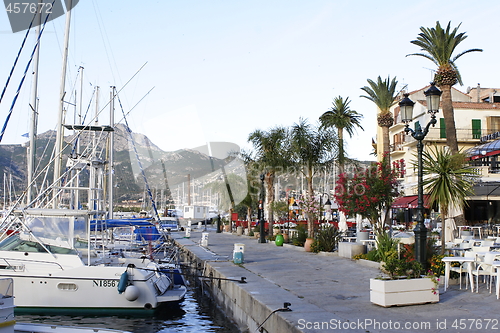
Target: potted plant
(405,284)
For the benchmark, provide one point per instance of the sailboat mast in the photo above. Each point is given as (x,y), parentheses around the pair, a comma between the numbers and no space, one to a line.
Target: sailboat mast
(34,113)
(60,129)
(111,152)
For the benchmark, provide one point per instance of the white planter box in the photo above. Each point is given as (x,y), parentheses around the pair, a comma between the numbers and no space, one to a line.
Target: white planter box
(403,292)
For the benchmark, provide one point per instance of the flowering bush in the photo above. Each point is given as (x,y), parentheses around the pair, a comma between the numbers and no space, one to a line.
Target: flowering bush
(308,205)
(368,192)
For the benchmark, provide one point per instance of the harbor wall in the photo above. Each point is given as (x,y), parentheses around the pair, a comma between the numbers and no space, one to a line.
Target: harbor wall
(247,304)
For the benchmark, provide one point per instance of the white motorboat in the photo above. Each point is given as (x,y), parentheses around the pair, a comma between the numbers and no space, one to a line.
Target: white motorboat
(49,273)
(8,322)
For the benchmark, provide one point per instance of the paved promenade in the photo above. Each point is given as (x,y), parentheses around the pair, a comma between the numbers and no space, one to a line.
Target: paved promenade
(329,293)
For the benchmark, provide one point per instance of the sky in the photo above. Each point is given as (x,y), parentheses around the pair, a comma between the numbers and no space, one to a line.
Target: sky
(192,72)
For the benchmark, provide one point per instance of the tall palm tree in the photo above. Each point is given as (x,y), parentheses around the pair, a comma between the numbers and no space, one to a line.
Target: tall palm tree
(270,156)
(449,181)
(312,149)
(439,45)
(383,94)
(341,117)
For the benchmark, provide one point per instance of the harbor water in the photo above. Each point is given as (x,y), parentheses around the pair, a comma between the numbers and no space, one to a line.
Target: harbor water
(197,313)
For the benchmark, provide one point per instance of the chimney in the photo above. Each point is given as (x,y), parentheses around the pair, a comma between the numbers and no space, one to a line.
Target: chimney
(478,93)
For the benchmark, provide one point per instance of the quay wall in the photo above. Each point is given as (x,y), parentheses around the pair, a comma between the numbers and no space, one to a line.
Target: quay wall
(247,304)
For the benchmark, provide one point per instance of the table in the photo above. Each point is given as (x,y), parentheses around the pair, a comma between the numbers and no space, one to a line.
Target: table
(461,260)
(460,227)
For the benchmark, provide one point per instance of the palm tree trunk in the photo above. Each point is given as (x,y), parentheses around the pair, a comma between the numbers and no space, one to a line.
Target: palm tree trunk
(385,142)
(310,217)
(449,119)
(270,176)
(341,159)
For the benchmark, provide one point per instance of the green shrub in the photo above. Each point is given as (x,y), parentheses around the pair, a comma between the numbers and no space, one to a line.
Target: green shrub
(300,236)
(327,239)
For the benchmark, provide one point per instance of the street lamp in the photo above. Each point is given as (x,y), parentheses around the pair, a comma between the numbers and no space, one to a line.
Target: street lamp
(328,204)
(262,199)
(432,95)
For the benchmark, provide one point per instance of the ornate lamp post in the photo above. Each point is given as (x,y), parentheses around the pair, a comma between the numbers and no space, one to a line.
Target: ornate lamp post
(432,95)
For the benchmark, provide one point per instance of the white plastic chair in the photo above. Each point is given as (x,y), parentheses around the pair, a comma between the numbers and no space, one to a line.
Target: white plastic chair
(485,269)
(487,243)
(462,269)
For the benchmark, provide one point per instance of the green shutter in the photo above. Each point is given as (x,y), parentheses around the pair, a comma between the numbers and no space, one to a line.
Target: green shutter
(417,125)
(476,128)
(442,128)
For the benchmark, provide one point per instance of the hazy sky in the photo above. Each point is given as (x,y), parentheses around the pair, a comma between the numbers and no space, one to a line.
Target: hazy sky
(221,69)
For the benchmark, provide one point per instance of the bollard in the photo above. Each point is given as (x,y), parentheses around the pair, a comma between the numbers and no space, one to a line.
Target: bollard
(238,257)
(204,239)
(239,231)
(188,232)
(238,253)
(199,225)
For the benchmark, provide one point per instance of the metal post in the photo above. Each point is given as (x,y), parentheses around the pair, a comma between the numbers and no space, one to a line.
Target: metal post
(420,229)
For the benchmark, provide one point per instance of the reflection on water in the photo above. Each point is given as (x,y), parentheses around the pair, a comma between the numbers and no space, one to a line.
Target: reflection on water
(197,313)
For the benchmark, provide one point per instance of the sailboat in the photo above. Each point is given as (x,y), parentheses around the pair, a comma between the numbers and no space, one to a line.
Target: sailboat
(45,235)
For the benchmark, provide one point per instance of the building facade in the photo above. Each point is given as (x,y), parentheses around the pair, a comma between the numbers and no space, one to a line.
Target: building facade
(477,121)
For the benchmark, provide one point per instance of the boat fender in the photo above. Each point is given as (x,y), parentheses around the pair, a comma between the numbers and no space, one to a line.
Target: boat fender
(132,293)
(122,285)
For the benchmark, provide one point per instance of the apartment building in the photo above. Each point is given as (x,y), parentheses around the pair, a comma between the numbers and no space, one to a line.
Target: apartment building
(477,121)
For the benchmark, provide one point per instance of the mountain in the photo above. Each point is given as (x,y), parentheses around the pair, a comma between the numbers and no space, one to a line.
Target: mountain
(163,170)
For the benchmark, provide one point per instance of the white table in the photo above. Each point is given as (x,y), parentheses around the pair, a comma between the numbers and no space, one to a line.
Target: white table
(461,260)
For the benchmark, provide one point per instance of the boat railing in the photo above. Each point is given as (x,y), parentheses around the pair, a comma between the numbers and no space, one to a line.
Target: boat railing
(16,267)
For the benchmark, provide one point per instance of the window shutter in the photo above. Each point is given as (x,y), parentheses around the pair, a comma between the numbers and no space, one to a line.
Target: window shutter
(442,128)
(476,128)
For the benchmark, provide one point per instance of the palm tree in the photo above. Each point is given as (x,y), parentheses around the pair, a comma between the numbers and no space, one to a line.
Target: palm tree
(439,45)
(383,94)
(449,180)
(312,150)
(342,118)
(270,148)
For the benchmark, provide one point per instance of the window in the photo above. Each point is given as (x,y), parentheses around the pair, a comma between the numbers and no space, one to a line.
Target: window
(494,125)
(476,128)
(442,128)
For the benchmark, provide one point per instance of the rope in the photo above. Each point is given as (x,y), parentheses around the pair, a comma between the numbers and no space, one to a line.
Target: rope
(17,58)
(139,161)
(22,80)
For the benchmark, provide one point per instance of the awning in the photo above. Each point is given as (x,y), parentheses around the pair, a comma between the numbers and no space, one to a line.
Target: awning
(410,201)
(486,149)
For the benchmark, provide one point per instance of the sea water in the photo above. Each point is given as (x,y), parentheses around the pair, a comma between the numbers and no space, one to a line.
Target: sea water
(197,313)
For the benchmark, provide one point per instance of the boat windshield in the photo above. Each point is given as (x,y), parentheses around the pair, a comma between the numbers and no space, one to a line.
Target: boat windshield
(15,243)
(59,231)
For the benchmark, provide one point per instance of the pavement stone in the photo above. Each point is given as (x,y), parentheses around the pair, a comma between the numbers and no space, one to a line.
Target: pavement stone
(338,290)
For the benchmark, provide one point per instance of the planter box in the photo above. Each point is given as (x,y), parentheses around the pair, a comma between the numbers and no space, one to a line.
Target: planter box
(403,292)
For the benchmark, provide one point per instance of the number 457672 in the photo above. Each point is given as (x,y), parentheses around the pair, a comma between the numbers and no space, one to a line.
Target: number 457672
(28,7)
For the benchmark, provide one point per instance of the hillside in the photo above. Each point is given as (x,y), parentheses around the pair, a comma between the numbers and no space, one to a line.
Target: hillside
(163,169)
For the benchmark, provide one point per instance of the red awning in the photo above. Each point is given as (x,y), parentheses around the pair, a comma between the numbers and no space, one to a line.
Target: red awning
(403,202)
(410,201)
